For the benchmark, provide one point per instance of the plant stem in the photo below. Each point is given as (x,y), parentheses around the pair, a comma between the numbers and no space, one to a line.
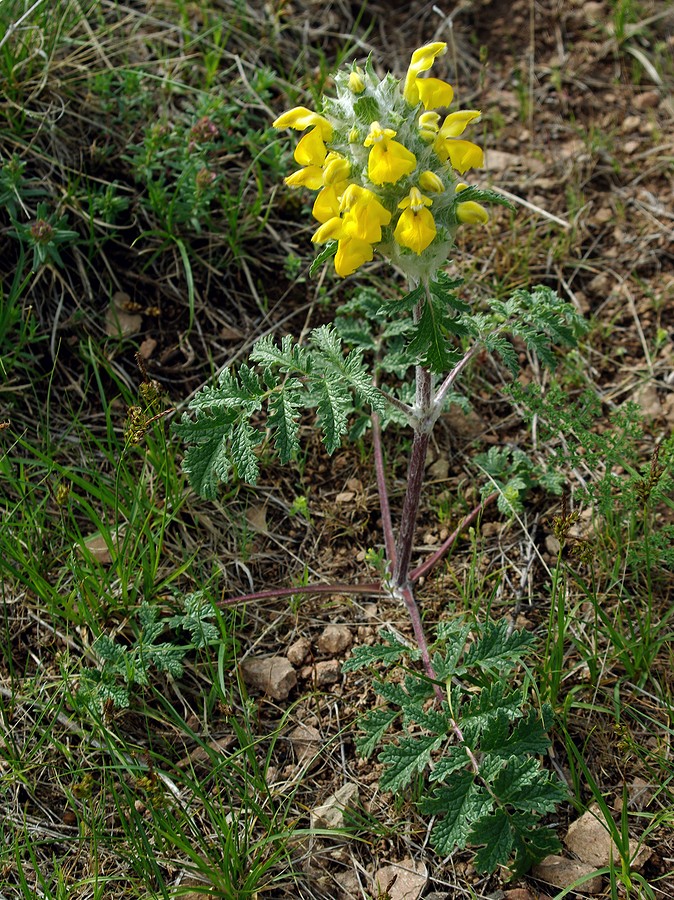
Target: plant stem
(467,520)
(407,595)
(387,527)
(372,587)
(415,476)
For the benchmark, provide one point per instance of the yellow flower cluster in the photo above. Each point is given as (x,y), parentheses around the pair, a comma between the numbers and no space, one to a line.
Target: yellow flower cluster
(385,164)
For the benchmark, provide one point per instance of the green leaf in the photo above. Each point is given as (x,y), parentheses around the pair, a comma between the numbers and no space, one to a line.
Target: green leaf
(454,759)
(333,403)
(430,344)
(374,725)
(287,357)
(326,253)
(207,461)
(404,759)
(495,833)
(244,440)
(482,708)
(458,803)
(531,844)
(389,651)
(283,419)
(497,645)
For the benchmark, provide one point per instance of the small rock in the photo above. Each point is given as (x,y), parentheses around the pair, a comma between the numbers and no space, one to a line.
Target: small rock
(405,880)
(331,813)
(552,544)
(121,320)
(631,123)
(439,470)
(646,397)
(562,872)
(271,675)
(147,347)
(334,640)
(589,839)
(345,497)
(348,883)
(298,651)
(323,673)
(306,742)
(646,100)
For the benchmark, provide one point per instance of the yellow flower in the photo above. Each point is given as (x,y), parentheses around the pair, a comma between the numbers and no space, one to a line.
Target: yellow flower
(388,160)
(416,225)
(356,230)
(352,251)
(469,212)
(301,118)
(311,149)
(365,214)
(336,171)
(310,177)
(437,93)
(356,83)
(434,92)
(429,181)
(462,154)
(429,126)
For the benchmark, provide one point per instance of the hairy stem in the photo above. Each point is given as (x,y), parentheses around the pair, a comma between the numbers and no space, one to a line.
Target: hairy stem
(415,477)
(407,595)
(387,527)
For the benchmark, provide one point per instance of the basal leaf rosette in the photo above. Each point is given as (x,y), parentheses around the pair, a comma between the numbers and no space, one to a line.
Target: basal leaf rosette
(386,166)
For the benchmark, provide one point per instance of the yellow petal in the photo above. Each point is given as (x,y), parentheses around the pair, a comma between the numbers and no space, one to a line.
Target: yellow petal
(311,177)
(455,123)
(300,118)
(310,150)
(389,161)
(464,155)
(337,169)
(415,230)
(429,181)
(422,60)
(351,254)
(329,231)
(415,200)
(378,135)
(326,205)
(433,92)
(471,213)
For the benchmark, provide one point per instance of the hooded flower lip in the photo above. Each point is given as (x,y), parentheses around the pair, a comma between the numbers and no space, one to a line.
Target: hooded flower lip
(300,118)
(430,91)
(388,160)
(386,166)
(416,227)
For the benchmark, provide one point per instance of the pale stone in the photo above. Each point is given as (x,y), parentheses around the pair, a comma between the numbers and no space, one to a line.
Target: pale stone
(331,813)
(298,651)
(334,639)
(306,742)
(271,675)
(562,872)
(405,880)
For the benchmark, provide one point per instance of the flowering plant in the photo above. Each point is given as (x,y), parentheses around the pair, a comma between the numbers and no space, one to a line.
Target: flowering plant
(387,170)
(385,166)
